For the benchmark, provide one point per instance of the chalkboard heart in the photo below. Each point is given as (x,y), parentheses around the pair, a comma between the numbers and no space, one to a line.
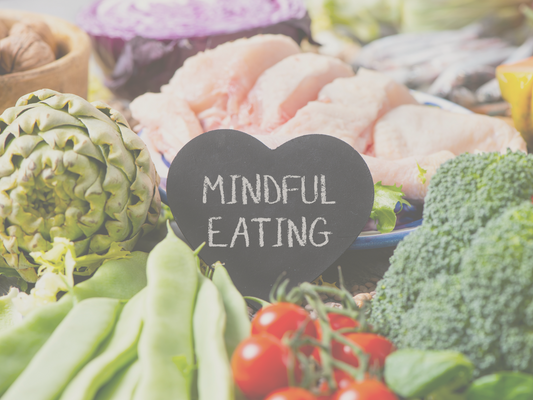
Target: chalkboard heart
(262,212)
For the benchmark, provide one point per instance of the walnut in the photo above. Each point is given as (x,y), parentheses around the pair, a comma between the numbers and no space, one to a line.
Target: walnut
(40,27)
(23,52)
(3,30)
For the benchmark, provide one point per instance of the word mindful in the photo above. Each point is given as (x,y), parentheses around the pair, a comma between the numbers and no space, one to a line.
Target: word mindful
(265,189)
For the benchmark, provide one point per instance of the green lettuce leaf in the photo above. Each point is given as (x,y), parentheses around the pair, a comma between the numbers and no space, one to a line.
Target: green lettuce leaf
(385,200)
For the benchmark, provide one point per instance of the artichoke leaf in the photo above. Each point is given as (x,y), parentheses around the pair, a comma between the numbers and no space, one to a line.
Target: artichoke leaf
(60,136)
(114,115)
(42,119)
(119,192)
(142,193)
(91,222)
(113,148)
(133,143)
(10,114)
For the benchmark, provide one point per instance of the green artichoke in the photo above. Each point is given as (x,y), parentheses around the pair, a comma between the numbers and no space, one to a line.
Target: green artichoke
(75,170)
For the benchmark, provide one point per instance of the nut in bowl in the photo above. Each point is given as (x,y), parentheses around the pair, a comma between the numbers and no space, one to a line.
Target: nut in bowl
(39,51)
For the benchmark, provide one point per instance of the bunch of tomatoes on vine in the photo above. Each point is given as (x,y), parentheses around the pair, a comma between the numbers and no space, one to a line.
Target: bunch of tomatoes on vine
(291,356)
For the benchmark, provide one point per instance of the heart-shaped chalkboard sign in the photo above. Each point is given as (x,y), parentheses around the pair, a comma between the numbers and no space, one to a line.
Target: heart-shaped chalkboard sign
(263,212)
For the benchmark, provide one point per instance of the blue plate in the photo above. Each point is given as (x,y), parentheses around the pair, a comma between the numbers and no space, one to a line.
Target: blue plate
(408,219)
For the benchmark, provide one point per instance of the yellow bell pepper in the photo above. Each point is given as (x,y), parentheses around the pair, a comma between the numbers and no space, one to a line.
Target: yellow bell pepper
(516,84)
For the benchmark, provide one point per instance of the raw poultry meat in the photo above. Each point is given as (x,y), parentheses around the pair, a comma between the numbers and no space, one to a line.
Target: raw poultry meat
(405,172)
(402,172)
(411,130)
(367,87)
(285,88)
(266,87)
(353,125)
(170,121)
(347,108)
(215,82)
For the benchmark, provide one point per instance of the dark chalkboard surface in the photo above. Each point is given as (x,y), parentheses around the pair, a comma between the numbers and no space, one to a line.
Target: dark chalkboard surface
(262,212)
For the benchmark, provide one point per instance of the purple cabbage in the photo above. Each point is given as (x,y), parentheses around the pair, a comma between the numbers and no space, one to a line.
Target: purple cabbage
(141,43)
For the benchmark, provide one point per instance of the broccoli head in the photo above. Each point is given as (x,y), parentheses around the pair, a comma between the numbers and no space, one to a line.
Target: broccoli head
(485,311)
(441,291)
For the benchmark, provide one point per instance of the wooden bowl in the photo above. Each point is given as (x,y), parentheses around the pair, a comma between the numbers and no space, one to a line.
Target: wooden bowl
(69,73)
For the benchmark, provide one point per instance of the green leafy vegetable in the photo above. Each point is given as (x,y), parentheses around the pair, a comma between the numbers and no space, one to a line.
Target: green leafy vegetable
(422,173)
(502,386)
(385,200)
(418,373)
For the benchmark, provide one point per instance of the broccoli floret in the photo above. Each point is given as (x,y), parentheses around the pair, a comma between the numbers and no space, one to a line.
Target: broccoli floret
(464,194)
(497,285)
(485,310)
(464,279)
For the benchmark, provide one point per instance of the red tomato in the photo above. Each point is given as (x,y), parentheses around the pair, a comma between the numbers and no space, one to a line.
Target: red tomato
(342,378)
(259,365)
(377,346)
(280,318)
(365,390)
(291,393)
(336,322)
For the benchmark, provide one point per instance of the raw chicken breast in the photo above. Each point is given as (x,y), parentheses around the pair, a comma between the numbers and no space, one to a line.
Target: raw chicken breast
(168,121)
(221,78)
(402,172)
(348,108)
(420,130)
(346,123)
(286,87)
(405,172)
(367,87)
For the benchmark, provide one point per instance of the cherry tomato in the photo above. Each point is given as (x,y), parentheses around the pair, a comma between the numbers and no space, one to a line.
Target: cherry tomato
(259,365)
(336,322)
(365,390)
(376,346)
(342,379)
(280,318)
(291,393)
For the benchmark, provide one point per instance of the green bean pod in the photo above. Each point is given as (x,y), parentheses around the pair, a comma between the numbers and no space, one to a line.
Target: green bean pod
(120,279)
(237,320)
(215,380)
(119,351)
(122,385)
(167,331)
(21,342)
(116,279)
(70,347)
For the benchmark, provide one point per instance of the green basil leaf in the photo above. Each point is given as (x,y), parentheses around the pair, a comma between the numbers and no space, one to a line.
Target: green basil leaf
(418,373)
(502,386)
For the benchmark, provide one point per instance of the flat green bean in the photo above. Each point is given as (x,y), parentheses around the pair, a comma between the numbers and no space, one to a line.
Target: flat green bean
(119,351)
(116,279)
(167,331)
(120,279)
(123,384)
(70,347)
(21,342)
(237,320)
(215,379)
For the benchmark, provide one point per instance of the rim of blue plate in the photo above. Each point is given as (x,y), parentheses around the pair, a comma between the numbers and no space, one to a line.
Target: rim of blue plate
(374,239)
